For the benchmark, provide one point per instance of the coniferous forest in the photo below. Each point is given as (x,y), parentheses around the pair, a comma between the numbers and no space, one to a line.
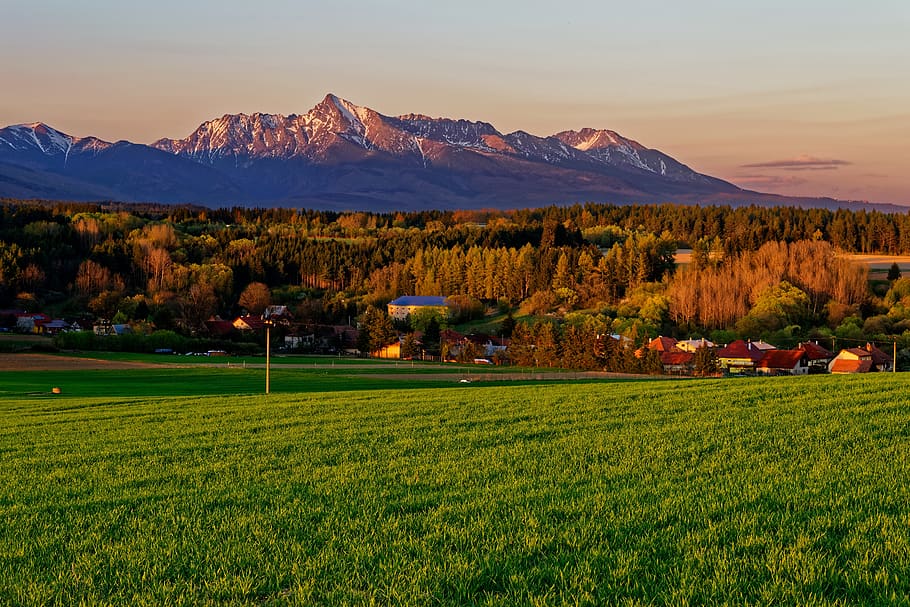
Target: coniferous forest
(557,280)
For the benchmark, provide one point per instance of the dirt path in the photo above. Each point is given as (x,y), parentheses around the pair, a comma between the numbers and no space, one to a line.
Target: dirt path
(48,362)
(517,376)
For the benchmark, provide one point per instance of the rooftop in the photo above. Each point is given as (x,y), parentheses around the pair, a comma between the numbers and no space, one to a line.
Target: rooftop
(843,365)
(781,359)
(743,350)
(419,300)
(815,352)
(662,344)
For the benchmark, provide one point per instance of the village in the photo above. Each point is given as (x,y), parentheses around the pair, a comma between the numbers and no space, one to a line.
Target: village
(676,357)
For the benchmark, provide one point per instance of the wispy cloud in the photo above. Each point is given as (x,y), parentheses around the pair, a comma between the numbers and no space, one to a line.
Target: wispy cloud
(768,181)
(800,163)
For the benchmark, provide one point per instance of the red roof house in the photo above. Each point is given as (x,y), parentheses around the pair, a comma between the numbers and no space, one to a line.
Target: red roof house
(740,355)
(852,360)
(880,360)
(783,362)
(218,327)
(248,323)
(677,361)
(819,358)
(662,344)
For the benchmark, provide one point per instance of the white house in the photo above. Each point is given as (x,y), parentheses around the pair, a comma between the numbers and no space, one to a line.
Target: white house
(406,305)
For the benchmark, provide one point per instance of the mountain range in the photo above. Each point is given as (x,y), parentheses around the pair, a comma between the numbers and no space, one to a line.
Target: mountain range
(343,156)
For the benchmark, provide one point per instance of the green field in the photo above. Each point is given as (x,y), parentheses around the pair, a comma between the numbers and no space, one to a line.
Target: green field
(182,487)
(194,381)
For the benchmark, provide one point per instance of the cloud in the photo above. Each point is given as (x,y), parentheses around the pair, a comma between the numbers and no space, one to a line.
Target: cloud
(800,163)
(768,181)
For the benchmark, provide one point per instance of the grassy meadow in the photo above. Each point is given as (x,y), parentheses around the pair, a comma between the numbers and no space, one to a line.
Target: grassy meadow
(184,487)
(197,380)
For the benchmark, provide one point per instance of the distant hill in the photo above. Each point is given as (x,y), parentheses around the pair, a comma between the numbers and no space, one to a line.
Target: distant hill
(344,156)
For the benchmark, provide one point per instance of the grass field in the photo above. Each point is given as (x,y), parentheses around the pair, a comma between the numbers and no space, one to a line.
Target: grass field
(148,492)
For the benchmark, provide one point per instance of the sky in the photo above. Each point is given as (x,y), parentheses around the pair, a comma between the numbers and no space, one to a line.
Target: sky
(798,97)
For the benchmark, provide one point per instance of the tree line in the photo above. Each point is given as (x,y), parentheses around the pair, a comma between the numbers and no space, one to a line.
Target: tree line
(754,270)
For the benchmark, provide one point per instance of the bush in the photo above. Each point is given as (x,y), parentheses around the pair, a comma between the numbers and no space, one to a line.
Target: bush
(77,340)
(136,342)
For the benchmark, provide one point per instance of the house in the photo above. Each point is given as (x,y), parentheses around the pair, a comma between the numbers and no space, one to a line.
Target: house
(818,357)
(740,356)
(495,345)
(248,323)
(25,323)
(677,362)
(691,345)
(51,327)
(218,327)
(104,328)
(278,315)
(487,345)
(392,350)
(28,322)
(783,362)
(663,344)
(451,343)
(292,342)
(763,345)
(852,360)
(404,306)
(331,339)
(322,339)
(276,312)
(880,360)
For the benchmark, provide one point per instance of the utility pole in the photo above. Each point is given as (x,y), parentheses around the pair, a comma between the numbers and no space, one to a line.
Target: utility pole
(268,325)
(894,364)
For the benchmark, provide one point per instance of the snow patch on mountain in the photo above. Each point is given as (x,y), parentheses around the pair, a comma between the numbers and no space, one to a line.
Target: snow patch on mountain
(38,135)
(335,129)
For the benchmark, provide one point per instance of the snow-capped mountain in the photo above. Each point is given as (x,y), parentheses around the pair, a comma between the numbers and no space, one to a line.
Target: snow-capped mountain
(38,161)
(45,142)
(337,128)
(612,148)
(342,155)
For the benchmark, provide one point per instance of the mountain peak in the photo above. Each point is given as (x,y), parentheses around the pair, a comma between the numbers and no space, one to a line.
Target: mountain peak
(595,139)
(36,135)
(353,114)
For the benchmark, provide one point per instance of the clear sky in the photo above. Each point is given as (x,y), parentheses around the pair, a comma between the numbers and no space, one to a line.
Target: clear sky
(802,97)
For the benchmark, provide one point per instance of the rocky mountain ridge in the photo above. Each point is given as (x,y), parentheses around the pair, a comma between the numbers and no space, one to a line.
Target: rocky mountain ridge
(345,156)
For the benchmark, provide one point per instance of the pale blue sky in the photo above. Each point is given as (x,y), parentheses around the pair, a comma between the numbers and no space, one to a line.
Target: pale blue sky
(719,85)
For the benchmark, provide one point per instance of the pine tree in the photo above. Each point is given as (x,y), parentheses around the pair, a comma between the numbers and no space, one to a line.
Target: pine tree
(547,354)
(376,330)
(650,362)
(409,347)
(507,325)
(431,337)
(706,362)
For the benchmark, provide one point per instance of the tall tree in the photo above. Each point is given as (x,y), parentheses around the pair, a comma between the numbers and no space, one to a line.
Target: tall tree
(255,298)
(431,337)
(376,330)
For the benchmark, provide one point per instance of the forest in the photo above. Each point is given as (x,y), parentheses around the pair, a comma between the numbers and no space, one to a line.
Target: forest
(559,276)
